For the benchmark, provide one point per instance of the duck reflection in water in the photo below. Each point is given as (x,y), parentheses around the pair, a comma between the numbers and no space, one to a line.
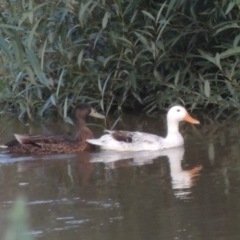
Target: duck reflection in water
(62,167)
(181,180)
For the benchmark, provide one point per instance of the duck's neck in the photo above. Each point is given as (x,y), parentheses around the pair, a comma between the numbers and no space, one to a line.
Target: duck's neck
(174,137)
(79,127)
(172,127)
(80,123)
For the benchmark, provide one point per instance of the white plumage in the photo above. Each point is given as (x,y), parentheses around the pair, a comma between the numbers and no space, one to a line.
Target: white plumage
(138,141)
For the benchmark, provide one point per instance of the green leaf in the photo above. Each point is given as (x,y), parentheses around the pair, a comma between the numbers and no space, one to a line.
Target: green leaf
(43,53)
(207,88)
(177,77)
(217,61)
(28,13)
(230,7)
(160,45)
(207,56)
(105,85)
(18,51)
(148,15)
(230,52)
(163,26)
(133,80)
(60,82)
(226,27)
(37,67)
(96,39)
(230,87)
(170,6)
(142,39)
(82,11)
(125,40)
(53,100)
(105,20)
(46,105)
(99,84)
(108,59)
(3,25)
(51,37)
(80,58)
(233,67)
(31,75)
(116,8)
(65,108)
(157,75)
(30,6)
(236,41)
(30,38)
(193,14)
(160,11)
(136,96)
(5,48)
(134,15)
(68,120)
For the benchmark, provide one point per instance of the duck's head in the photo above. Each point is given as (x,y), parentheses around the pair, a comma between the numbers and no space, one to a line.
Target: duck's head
(178,114)
(83,110)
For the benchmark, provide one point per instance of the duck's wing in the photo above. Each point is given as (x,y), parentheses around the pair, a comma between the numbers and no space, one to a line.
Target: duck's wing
(133,137)
(127,141)
(44,144)
(39,140)
(122,136)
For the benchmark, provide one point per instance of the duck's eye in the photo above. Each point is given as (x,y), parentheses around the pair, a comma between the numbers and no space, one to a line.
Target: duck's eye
(178,110)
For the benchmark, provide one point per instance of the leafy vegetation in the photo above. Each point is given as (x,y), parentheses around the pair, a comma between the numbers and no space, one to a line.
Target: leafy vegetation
(118,54)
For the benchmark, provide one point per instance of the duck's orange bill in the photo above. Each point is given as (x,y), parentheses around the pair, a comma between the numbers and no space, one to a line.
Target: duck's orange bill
(188,118)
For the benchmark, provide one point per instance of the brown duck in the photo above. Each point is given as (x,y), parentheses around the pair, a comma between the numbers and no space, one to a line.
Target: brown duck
(44,144)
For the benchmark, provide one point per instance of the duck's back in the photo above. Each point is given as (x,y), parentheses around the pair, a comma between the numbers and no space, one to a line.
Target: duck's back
(128,141)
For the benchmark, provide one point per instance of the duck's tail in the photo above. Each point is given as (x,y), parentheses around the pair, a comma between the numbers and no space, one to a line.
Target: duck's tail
(12,143)
(3,146)
(97,142)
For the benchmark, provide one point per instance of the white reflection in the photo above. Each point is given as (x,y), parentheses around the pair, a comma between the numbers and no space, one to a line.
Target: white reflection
(182,180)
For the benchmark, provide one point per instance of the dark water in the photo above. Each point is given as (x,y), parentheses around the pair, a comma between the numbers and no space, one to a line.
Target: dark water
(184,193)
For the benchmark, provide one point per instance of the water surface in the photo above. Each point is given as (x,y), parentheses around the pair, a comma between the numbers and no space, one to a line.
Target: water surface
(190,192)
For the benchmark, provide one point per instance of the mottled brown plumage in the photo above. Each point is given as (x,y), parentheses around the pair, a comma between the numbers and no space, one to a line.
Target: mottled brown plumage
(45,144)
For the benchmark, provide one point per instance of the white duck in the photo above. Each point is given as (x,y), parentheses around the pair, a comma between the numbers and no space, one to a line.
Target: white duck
(138,141)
